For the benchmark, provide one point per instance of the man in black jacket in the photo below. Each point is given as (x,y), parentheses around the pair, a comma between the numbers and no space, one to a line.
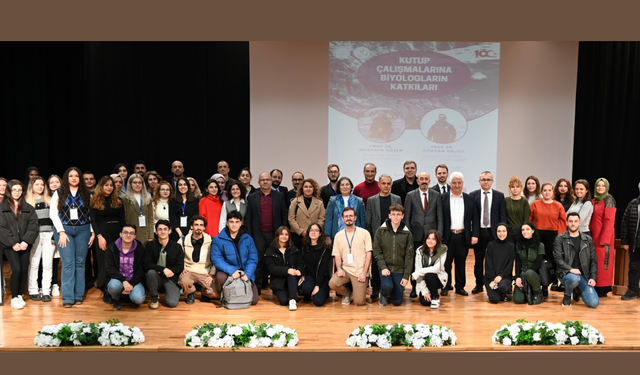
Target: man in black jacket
(123,263)
(163,264)
(408,182)
(575,258)
(629,240)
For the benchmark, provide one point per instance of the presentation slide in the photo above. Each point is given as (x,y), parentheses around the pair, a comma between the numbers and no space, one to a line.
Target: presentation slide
(430,102)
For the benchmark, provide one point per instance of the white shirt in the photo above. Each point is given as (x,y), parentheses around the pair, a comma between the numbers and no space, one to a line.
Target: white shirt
(457,212)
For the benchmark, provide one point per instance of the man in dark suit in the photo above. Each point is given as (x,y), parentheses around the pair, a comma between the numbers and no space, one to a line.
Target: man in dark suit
(442,173)
(460,230)
(492,211)
(377,212)
(407,183)
(266,212)
(423,212)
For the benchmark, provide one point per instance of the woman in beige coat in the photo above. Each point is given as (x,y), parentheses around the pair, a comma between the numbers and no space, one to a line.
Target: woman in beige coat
(305,209)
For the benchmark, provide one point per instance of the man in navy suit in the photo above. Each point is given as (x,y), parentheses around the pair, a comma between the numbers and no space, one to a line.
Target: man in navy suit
(460,230)
(266,212)
(491,212)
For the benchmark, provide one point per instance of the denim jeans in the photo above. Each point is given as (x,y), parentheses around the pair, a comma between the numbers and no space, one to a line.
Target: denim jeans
(587,292)
(115,288)
(73,259)
(307,287)
(390,287)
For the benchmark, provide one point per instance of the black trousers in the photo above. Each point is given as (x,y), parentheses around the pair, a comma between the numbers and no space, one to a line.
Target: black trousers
(433,283)
(634,269)
(458,249)
(479,250)
(496,295)
(548,237)
(19,263)
(262,240)
(289,292)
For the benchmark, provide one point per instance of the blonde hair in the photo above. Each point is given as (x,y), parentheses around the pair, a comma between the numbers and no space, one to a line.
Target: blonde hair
(30,196)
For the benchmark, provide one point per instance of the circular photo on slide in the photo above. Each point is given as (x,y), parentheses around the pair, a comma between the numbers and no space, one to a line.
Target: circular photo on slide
(443,125)
(381,125)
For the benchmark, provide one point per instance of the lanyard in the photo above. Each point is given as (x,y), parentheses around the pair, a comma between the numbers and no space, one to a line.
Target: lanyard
(73,200)
(184,205)
(347,237)
(140,205)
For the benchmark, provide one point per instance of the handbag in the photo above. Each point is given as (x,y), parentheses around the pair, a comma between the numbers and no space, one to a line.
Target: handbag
(236,293)
(547,274)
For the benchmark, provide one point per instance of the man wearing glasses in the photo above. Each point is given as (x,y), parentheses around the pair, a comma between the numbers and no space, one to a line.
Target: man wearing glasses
(296,180)
(123,263)
(492,210)
(352,252)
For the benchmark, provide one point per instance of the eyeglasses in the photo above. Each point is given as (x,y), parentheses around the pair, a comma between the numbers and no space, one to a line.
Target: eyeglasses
(486,179)
(128,233)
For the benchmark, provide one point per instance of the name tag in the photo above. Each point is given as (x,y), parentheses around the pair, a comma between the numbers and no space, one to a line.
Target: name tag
(142,221)
(73,213)
(349,258)
(183,221)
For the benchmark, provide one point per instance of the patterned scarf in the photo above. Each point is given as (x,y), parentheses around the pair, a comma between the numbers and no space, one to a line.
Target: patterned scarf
(342,206)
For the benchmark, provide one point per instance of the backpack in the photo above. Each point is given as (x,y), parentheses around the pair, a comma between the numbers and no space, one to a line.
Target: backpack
(236,293)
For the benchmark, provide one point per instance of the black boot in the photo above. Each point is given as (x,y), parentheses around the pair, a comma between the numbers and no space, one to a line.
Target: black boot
(191,298)
(537,297)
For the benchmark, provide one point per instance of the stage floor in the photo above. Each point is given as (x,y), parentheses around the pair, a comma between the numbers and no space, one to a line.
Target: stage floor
(325,329)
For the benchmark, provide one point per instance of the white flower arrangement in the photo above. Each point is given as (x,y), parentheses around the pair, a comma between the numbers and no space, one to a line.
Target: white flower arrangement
(248,335)
(544,333)
(109,333)
(416,335)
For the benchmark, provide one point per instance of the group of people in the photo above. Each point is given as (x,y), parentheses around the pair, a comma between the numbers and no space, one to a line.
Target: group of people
(137,234)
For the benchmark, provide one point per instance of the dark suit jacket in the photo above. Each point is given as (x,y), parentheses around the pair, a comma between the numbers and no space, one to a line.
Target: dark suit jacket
(414,214)
(401,187)
(470,221)
(280,212)
(497,212)
(373,220)
(436,187)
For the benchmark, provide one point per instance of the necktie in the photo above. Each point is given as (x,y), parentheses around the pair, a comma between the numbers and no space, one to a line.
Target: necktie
(444,189)
(425,202)
(485,211)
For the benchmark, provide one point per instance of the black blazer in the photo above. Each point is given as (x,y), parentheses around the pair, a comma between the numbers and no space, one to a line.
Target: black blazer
(401,187)
(497,212)
(436,187)
(175,212)
(280,212)
(470,221)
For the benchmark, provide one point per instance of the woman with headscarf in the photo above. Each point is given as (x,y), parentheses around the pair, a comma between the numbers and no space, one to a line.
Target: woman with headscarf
(222,184)
(529,256)
(498,266)
(603,234)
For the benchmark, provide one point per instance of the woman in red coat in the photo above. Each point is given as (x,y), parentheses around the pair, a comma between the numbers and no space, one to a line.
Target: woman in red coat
(603,234)
(210,207)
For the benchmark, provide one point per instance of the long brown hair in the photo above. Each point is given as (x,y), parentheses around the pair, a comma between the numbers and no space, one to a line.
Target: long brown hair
(569,195)
(314,184)
(276,240)
(99,196)
(30,196)
(63,192)
(156,196)
(437,236)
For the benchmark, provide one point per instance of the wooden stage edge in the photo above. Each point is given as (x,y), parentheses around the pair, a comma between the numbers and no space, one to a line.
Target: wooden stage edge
(325,329)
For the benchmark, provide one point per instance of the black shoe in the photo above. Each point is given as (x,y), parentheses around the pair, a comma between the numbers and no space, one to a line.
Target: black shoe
(476,290)
(537,297)
(35,297)
(576,294)
(545,292)
(566,301)
(106,298)
(375,295)
(117,305)
(67,304)
(204,298)
(46,298)
(561,287)
(444,292)
(191,298)
(629,295)
(413,294)
(462,292)
(506,298)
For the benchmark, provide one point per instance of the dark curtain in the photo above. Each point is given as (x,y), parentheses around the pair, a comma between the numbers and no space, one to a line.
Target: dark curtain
(607,118)
(96,104)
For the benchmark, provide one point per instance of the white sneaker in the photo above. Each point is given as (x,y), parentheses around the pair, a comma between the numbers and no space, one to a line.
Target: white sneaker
(16,304)
(435,303)
(293,306)
(55,290)
(346,300)
(22,300)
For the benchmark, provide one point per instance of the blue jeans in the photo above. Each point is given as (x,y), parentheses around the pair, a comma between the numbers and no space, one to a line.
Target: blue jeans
(390,287)
(115,288)
(73,258)
(587,292)
(307,287)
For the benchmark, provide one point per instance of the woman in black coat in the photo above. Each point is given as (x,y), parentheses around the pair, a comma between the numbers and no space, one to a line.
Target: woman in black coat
(498,266)
(317,260)
(284,262)
(18,232)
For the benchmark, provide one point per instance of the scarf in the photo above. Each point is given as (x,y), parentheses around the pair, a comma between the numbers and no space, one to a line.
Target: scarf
(597,196)
(342,206)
